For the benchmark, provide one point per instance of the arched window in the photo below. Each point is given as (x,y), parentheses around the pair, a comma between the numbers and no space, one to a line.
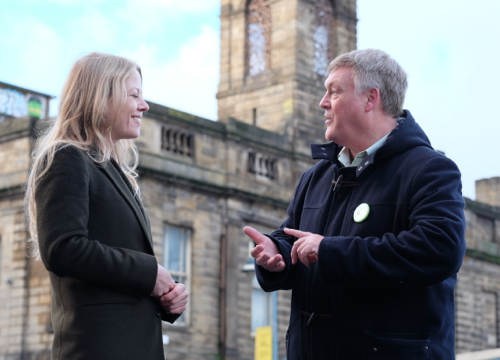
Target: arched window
(258,44)
(324,36)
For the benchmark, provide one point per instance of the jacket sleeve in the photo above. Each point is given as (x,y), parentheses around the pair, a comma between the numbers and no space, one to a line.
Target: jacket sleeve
(62,203)
(429,251)
(284,280)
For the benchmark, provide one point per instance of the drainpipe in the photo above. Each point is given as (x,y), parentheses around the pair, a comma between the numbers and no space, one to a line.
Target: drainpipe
(223,283)
(275,324)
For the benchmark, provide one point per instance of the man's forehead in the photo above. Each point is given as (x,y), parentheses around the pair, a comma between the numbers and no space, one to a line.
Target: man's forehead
(338,76)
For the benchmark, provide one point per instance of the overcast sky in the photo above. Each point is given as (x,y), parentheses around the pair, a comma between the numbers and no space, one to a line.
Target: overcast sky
(449,49)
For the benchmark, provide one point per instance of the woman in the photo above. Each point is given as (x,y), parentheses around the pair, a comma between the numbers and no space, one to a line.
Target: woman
(88,225)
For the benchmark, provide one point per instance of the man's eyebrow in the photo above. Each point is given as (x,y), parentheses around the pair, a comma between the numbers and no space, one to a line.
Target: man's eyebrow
(333,83)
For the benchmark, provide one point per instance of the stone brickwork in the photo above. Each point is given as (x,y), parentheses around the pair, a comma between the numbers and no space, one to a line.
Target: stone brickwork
(284,98)
(24,289)
(213,194)
(477,317)
(488,191)
(478,288)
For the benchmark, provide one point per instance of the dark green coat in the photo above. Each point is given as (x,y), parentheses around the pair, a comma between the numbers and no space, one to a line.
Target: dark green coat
(95,241)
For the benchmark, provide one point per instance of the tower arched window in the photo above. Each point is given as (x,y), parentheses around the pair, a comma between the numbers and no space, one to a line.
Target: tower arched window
(324,36)
(258,36)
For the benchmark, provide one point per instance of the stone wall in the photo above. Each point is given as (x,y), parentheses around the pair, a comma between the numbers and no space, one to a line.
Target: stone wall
(488,191)
(285,97)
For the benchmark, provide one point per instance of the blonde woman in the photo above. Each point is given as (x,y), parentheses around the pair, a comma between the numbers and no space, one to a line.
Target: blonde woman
(88,225)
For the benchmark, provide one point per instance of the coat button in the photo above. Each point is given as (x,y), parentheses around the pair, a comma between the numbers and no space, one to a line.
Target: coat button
(158,313)
(375,349)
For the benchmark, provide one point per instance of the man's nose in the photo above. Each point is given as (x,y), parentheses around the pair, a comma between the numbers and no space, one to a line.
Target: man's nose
(323,103)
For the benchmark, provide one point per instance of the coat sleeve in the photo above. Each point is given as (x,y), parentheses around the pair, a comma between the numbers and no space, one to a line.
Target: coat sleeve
(284,280)
(429,251)
(62,203)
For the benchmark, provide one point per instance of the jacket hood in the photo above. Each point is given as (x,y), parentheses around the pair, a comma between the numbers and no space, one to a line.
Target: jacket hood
(405,136)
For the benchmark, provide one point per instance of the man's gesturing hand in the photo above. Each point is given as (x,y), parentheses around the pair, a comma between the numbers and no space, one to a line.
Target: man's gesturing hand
(266,253)
(306,247)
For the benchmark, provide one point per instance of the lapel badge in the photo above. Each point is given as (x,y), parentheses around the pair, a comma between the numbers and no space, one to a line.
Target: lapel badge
(361,212)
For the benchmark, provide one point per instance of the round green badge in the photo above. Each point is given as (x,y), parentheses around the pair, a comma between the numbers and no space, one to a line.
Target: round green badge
(361,212)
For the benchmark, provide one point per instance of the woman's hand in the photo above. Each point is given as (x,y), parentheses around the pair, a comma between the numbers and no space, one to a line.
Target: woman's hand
(175,301)
(164,282)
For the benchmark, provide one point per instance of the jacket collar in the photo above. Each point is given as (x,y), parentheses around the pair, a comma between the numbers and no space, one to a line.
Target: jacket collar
(328,151)
(405,136)
(118,179)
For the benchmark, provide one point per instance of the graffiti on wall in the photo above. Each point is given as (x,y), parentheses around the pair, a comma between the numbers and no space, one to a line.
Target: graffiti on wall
(16,104)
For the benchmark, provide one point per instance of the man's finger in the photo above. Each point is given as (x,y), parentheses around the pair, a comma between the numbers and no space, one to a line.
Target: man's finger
(297,233)
(274,261)
(279,267)
(256,251)
(254,234)
(294,254)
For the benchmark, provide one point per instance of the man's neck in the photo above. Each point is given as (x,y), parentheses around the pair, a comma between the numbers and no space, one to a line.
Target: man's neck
(383,126)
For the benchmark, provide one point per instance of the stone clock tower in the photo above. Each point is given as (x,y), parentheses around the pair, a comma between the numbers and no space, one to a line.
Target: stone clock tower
(274,54)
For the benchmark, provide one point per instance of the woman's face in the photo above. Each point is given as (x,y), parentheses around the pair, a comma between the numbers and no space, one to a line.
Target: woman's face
(128,118)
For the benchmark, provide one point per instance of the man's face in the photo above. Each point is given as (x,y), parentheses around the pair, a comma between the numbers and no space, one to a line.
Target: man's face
(343,108)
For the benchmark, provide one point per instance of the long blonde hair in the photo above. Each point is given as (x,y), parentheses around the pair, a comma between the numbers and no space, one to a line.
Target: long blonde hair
(93,81)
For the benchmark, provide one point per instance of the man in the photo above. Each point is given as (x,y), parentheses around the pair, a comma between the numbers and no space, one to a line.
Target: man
(375,231)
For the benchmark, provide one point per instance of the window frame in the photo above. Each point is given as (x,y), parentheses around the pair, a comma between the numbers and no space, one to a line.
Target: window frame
(187,232)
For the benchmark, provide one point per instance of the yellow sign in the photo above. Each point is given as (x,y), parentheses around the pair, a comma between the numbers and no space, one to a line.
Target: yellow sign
(264,343)
(288,106)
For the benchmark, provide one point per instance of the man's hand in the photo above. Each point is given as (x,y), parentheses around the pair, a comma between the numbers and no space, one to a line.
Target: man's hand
(266,253)
(306,247)
(176,300)
(164,282)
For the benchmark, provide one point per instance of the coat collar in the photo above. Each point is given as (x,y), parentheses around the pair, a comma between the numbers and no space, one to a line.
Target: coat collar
(405,136)
(118,179)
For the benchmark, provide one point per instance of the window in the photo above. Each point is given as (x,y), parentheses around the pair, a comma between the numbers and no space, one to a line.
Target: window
(485,228)
(177,260)
(177,142)
(264,167)
(324,36)
(258,44)
(261,306)
(261,301)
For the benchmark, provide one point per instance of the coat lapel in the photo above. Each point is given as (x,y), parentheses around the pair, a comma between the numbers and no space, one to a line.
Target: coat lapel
(125,189)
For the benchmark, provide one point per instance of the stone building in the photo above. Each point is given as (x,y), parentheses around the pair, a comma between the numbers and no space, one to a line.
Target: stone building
(478,288)
(202,181)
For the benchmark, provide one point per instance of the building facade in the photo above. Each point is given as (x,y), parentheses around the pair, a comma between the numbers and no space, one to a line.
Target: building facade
(478,288)
(202,181)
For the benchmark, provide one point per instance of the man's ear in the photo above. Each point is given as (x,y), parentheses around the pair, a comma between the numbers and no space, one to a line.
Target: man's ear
(372,99)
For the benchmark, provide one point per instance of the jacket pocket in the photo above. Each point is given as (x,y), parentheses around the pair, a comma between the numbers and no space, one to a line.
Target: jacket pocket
(108,303)
(398,346)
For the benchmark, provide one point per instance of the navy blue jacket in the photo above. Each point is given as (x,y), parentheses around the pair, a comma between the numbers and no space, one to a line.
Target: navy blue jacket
(383,288)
